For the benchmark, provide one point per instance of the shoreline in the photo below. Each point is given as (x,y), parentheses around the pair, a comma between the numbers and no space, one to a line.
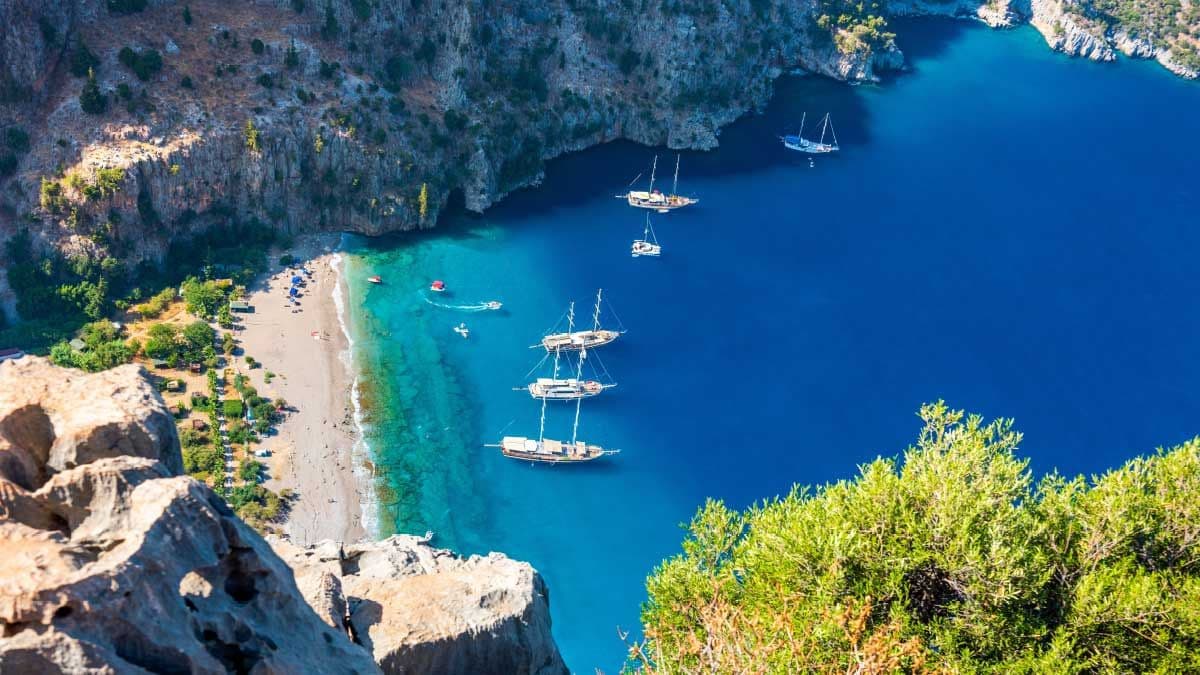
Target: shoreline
(315,451)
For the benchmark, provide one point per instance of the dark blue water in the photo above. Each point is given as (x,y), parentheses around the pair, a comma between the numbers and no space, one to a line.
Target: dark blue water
(1005,229)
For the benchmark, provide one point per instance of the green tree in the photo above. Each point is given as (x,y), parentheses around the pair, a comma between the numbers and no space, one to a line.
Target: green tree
(91,101)
(291,58)
(203,298)
(161,341)
(187,15)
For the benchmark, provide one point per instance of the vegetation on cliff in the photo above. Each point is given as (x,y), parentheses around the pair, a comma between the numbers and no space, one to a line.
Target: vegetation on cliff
(952,560)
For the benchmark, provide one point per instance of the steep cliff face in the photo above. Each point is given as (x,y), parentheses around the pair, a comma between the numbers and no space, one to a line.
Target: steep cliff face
(340,116)
(114,563)
(369,115)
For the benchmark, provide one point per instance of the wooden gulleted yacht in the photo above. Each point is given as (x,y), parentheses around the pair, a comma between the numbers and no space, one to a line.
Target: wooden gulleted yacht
(655,199)
(555,388)
(801,144)
(550,451)
(575,340)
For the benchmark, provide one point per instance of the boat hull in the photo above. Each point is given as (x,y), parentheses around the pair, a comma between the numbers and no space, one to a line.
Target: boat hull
(808,147)
(658,201)
(586,339)
(565,390)
(550,451)
(643,248)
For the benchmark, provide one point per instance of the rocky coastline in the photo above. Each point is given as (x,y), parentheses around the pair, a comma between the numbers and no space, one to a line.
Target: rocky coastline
(116,563)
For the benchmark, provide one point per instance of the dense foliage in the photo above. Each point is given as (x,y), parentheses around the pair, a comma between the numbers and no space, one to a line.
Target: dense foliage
(103,347)
(953,560)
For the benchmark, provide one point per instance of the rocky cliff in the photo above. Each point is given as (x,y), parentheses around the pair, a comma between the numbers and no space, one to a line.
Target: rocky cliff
(419,609)
(370,115)
(114,563)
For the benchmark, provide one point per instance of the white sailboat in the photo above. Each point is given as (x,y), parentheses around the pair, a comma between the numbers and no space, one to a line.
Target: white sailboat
(648,244)
(550,451)
(574,340)
(801,144)
(567,389)
(655,199)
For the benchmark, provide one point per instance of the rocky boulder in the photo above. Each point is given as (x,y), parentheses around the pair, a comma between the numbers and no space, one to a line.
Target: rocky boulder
(421,609)
(113,563)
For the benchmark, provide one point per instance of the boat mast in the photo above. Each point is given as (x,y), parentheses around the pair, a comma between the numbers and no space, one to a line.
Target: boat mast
(557,353)
(824,127)
(803,116)
(578,403)
(646,232)
(596,314)
(653,168)
(675,185)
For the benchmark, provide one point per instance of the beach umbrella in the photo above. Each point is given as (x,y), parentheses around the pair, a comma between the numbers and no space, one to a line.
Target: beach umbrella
(296,279)
(292,292)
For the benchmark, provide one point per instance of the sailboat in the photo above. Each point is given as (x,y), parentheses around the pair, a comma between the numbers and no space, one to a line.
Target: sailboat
(801,144)
(575,340)
(568,389)
(550,451)
(648,244)
(655,199)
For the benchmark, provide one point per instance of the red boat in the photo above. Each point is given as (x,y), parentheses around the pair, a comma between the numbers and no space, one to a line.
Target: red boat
(375,280)
(437,286)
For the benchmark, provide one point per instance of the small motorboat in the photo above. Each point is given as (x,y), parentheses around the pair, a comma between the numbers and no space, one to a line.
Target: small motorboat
(461,329)
(492,304)
(438,286)
(375,279)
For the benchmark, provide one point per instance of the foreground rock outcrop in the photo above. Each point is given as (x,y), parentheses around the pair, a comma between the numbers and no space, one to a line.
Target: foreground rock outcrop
(114,563)
(420,609)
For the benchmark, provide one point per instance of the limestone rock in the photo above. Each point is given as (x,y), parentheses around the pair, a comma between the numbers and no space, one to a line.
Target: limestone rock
(114,564)
(421,609)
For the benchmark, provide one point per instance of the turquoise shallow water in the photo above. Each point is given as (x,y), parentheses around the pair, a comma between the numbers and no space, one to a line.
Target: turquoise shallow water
(1005,228)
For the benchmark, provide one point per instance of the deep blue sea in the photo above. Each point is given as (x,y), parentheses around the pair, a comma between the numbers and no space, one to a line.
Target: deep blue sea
(1007,229)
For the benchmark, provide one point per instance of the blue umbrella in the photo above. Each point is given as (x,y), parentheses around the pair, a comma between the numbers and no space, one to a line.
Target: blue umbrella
(296,279)
(292,292)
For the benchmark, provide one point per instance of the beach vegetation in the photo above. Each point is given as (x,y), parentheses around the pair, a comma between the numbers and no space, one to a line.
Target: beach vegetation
(157,304)
(950,558)
(205,298)
(192,344)
(104,347)
(250,470)
(228,343)
(256,505)
(233,408)
(251,363)
(202,453)
(287,260)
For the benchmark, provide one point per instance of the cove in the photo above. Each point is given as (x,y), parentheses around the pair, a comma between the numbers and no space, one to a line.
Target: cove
(1005,228)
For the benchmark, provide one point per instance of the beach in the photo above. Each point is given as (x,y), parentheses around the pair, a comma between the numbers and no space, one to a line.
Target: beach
(312,452)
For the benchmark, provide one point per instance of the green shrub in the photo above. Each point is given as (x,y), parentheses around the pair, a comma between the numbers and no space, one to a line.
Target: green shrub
(291,58)
(187,15)
(144,64)
(257,46)
(952,560)
(232,408)
(126,6)
(82,60)
(8,164)
(287,260)
(186,83)
(17,139)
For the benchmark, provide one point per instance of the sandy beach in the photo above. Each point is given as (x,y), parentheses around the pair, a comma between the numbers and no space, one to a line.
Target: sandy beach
(312,452)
